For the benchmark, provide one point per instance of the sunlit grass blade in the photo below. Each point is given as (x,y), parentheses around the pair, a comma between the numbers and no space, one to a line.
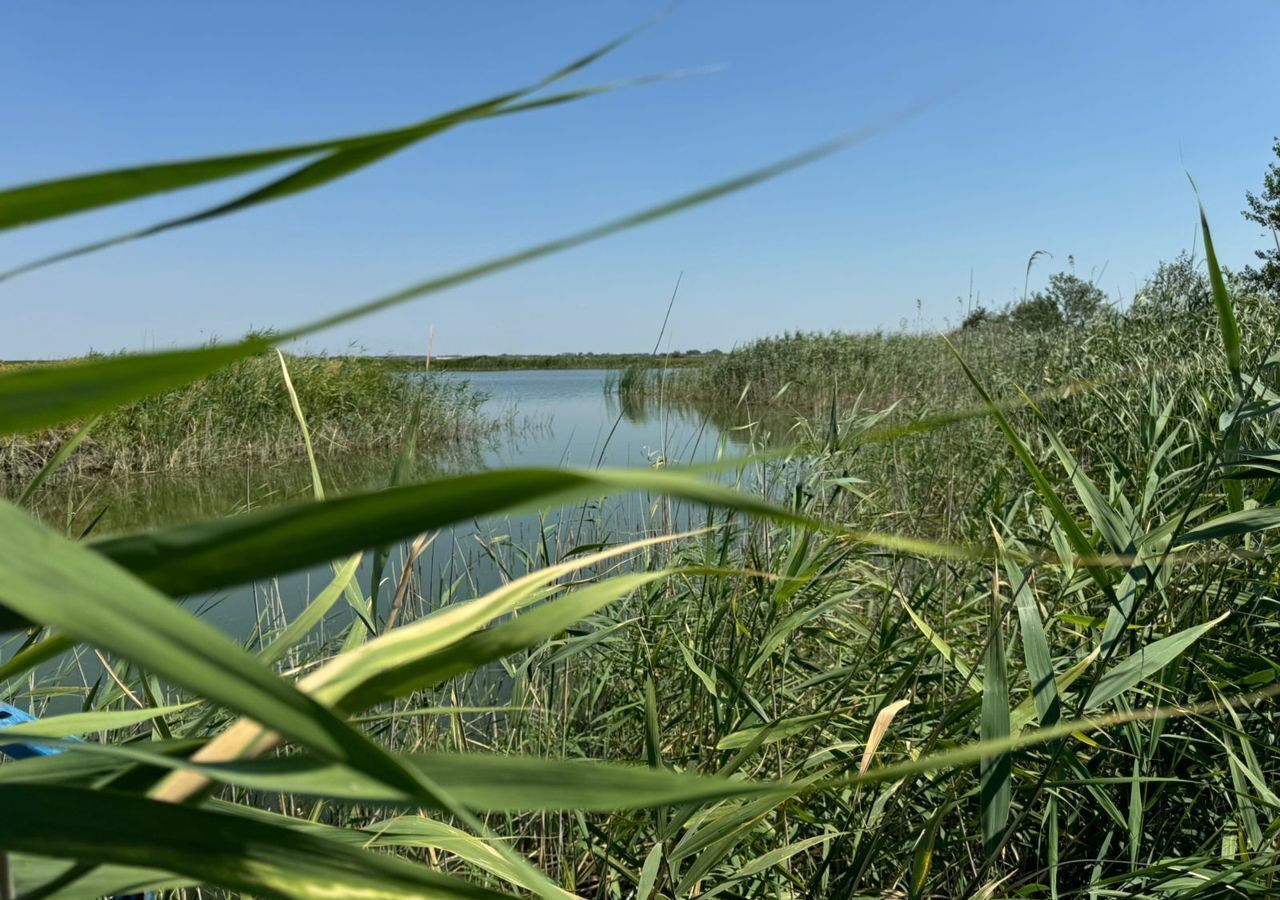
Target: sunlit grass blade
(1035,646)
(1025,712)
(1106,521)
(56,461)
(996,771)
(27,204)
(421,832)
(971,679)
(1227,325)
(1145,662)
(223,552)
(310,617)
(1248,521)
(361,607)
(771,732)
(363,686)
(72,724)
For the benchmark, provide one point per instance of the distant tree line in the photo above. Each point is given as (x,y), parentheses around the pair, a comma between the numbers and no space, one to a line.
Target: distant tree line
(1068,300)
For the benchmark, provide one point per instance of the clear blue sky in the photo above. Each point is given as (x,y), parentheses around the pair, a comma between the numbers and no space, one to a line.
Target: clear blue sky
(1069,132)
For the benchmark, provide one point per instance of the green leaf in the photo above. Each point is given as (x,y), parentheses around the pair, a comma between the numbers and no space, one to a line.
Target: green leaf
(774,732)
(1025,712)
(971,680)
(82,723)
(34,875)
(1222,301)
(315,611)
(922,857)
(649,872)
(66,586)
(1035,646)
(60,768)
(27,659)
(1110,524)
(494,782)
(996,771)
(1146,662)
(652,730)
(782,854)
(1246,521)
(700,673)
(28,204)
(224,552)
(55,462)
(230,851)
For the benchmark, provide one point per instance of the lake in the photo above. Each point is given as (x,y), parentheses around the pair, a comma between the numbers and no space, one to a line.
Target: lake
(555,418)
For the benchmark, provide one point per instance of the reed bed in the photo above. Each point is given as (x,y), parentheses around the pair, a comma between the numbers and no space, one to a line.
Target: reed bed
(359,405)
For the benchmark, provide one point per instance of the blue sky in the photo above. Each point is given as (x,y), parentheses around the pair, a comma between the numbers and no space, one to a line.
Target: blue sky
(1067,128)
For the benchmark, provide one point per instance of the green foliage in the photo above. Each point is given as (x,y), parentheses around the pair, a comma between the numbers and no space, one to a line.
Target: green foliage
(1078,301)
(1037,313)
(1177,286)
(1264,210)
(1068,301)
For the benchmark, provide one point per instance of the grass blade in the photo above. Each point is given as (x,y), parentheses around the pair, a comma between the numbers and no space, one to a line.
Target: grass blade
(28,204)
(224,552)
(1146,662)
(55,462)
(996,771)
(1227,324)
(1035,646)
(230,851)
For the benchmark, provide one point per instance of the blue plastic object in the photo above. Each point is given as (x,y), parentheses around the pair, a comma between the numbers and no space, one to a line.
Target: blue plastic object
(11,716)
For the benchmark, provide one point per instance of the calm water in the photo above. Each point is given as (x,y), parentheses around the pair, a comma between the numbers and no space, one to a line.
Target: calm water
(568,420)
(557,418)
(560,418)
